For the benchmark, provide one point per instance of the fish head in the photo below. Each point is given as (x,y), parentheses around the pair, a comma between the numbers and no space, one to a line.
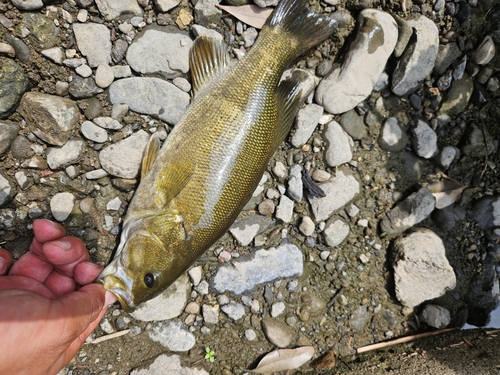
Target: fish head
(144,265)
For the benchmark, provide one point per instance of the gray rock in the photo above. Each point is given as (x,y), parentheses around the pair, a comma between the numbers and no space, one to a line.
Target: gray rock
(458,96)
(113,9)
(68,154)
(245,230)
(96,174)
(160,52)
(8,132)
(435,316)
(351,83)
(284,211)
(478,142)
(424,139)
(94,41)
(166,5)
(207,12)
(485,52)
(28,4)
(168,305)
(339,190)
(195,275)
(84,71)
(447,55)
(417,61)
(123,159)
(82,88)
(55,54)
(487,214)
(173,336)
(421,270)
(167,364)
(307,226)
(392,137)
(335,232)
(104,76)
(121,71)
(93,132)
(295,185)
(108,122)
(42,31)
(265,266)
(339,144)
(307,120)
(210,313)
(266,3)
(5,190)
(276,332)
(202,288)
(277,309)
(150,96)
(13,84)
(199,30)
(404,34)
(360,318)
(353,124)
(446,156)
(234,310)
(409,212)
(61,205)
(446,218)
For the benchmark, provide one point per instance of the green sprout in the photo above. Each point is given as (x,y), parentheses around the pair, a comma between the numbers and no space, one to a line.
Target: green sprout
(210,354)
(383,234)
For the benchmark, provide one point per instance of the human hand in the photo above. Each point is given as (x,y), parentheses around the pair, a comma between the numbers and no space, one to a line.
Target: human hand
(48,303)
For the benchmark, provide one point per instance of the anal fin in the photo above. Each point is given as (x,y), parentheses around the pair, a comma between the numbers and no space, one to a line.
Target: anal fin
(207,58)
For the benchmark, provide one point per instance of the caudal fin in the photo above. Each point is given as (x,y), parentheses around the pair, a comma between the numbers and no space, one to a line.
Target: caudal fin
(295,18)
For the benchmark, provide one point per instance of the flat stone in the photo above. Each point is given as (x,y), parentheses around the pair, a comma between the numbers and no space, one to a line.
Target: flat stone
(68,154)
(199,30)
(123,159)
(160,52)
(447,55)
(93,132)
(234,310)
(307,120)
(418,60)
(108,122)
(339,191)
(265,266)
(150,96)
(114,9)
(168,364)
(353,124)
(409,212)
(485,52)
(245,230)
(28,4)
(339,144)
(353,81)
(61,205)
(94,41)
(168,305)
(210,313)
(421,270)
(173,335)
(335,232)
(54,54)
(284,211)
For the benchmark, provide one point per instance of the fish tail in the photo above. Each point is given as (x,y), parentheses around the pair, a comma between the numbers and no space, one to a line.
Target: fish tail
(296,19)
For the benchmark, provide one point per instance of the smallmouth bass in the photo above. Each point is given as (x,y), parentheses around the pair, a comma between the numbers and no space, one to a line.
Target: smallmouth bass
(193,188)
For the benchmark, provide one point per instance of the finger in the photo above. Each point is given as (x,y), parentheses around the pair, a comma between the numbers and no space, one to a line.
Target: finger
(86,272)
(60,284)
(5,261)
(65,253)
(45,230)
(32,266)
(25,283)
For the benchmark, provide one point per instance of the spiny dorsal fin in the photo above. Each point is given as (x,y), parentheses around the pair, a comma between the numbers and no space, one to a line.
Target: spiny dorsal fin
(208,57)
(288,95)
(173,181)
(150,153)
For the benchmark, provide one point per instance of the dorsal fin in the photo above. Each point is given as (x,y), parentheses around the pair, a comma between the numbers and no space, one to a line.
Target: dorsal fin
(208,57)
(150,154)
(289,99)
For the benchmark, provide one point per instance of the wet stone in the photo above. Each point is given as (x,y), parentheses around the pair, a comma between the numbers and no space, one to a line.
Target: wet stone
(421,270)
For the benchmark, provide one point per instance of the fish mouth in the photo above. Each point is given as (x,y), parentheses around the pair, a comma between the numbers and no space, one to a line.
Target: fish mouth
(117,281)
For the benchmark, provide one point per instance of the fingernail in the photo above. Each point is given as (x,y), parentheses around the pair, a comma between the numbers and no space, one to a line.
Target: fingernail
(2,266)
(65,245)
(109,299)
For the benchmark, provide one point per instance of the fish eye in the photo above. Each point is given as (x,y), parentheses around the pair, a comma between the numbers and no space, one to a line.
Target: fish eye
(149,279)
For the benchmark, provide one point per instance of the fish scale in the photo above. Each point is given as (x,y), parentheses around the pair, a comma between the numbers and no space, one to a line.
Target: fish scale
(193,188)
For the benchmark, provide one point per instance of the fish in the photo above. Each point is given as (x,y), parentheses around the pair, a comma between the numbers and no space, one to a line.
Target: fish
(194,186)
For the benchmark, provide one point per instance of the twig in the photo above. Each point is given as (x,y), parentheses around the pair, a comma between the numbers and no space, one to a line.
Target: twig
(335,297)
(492,332)
(111,336)
(401,340)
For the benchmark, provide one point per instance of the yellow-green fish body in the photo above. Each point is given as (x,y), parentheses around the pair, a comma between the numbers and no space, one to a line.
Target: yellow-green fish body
(193,188)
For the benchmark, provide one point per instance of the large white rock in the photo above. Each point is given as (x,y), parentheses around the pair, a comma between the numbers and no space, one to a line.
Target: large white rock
(351,82)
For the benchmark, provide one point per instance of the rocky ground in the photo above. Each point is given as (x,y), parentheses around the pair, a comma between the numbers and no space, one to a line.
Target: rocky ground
(400,129)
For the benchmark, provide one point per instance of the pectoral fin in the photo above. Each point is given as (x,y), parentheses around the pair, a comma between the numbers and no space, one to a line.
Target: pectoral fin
(208,57)
(150,154)
(288,95)
(173,179)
